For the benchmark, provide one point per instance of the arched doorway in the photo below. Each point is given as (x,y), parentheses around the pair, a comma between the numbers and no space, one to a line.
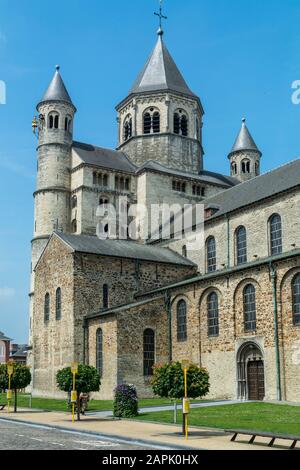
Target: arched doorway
(250,372)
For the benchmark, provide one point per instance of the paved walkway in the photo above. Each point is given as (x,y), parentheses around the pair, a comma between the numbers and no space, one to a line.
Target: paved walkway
(156,435)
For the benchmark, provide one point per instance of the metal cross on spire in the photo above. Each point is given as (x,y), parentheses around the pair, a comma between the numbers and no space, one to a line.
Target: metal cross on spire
(161,17)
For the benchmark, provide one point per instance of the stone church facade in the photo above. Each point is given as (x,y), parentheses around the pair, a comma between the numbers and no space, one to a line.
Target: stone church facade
(233,306)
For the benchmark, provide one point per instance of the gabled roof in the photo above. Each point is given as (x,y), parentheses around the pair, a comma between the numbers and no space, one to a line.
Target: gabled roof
(244,140)
(264,186)
(3,337)
(203,177)
(102,157)
(122,249)
(57,91)
(160,73)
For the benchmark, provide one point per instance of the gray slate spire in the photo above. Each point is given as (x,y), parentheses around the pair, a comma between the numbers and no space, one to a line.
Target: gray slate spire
(57,90)
(244,140)
(160,73)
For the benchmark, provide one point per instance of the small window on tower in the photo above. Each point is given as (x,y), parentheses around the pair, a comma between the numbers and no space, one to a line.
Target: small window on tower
(56,122)
(184,126)
(156,122)
(176,123)
(147,123)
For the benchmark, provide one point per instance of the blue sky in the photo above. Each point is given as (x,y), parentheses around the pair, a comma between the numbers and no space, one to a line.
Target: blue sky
(239,57)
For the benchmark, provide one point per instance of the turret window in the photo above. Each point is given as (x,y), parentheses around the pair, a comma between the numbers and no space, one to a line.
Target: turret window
(246,166)
(127,128)
(180,123)
(68,122)
(53,121)
(152,122)
(233,169)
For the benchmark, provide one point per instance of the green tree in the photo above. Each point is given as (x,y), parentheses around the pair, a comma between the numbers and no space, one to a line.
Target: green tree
(168,382)
(20,379)
(87,380)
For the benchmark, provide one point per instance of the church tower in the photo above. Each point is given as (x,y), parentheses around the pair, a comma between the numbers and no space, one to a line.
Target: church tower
(161,118)
(244,156)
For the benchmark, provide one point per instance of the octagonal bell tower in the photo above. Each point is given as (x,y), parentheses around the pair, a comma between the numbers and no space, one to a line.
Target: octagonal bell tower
(161,118)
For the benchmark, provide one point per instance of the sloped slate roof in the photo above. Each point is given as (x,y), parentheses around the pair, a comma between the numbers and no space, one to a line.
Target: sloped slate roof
(3,337)
(256,189)
(160,73)
(102,157)
(57,91)
(203,176)
(122,249)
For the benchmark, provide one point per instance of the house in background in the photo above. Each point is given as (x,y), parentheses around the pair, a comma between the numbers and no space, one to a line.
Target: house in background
(18,353)
(4,348)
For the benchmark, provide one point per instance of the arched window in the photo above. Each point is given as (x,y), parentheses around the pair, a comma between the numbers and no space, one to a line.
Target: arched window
(128,128)
(56,121)
(47,308)
(51,121)
(68,122)
(151,121)
(74,226)
(276,234)
(58,304)
(181,321)
(234,168)
(211,256)
(296,299)
(184,251)
(105,296)
(241,245)
(181,123)
(184,126)
(250,308)
(149,352)
(156,122)
(256,168)
(213,314)
(246,166)
(99,351)
(176,123)
(198,136)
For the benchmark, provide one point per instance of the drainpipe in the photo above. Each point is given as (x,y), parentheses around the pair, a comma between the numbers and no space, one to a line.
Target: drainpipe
(228,242)
(169,314)
(273,274)
(85,330)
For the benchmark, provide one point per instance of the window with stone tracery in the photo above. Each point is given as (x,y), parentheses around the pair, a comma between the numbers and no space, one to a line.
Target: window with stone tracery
(151,121)
(181,123)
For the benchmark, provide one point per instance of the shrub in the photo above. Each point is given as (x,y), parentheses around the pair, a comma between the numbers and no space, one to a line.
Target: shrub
(125,402)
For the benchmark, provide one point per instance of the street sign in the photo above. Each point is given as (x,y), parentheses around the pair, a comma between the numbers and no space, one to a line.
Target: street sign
(74,368)
(185,363)
(10,368)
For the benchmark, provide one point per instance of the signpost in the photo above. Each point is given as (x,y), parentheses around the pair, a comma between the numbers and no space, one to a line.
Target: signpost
(186,402)
(10,371)
(74,370)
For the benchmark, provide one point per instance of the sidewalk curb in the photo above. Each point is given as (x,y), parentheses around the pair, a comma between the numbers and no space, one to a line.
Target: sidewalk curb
(122,439)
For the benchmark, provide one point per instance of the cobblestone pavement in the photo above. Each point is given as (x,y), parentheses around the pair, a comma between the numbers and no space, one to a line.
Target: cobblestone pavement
(17,436)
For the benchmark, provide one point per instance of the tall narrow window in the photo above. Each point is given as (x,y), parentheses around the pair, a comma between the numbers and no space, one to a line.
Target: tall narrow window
(211,255)
(245,166)
(276,234)
(105,296)
(176,123)
(296,299)
(184,251)
(149,352)
(213,314)
(74,226)
(47,308)
(156,122)
(56,121)
(181,321)
(58,304)
(128,128)
(147,123)
(51,122)
(74,202)
(250,308)
(241,245)
(184,126)
(99,351)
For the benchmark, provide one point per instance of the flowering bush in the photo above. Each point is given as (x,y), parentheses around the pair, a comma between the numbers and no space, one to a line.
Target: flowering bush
(126,401)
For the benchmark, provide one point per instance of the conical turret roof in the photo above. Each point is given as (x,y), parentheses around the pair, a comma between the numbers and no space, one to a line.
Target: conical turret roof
(244,140)
(57,91)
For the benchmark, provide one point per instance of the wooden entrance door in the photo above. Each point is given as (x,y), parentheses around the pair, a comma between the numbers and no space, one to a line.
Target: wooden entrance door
(256,380)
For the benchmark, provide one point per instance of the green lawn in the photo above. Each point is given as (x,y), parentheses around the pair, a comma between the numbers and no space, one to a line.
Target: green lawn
(253,416)
(94,405)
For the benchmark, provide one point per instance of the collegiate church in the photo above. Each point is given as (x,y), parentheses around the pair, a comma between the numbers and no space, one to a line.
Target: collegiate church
(122,305)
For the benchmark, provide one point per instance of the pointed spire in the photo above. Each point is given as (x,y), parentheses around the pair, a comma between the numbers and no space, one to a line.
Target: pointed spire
(57,90)
(160,72)
(244,140)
